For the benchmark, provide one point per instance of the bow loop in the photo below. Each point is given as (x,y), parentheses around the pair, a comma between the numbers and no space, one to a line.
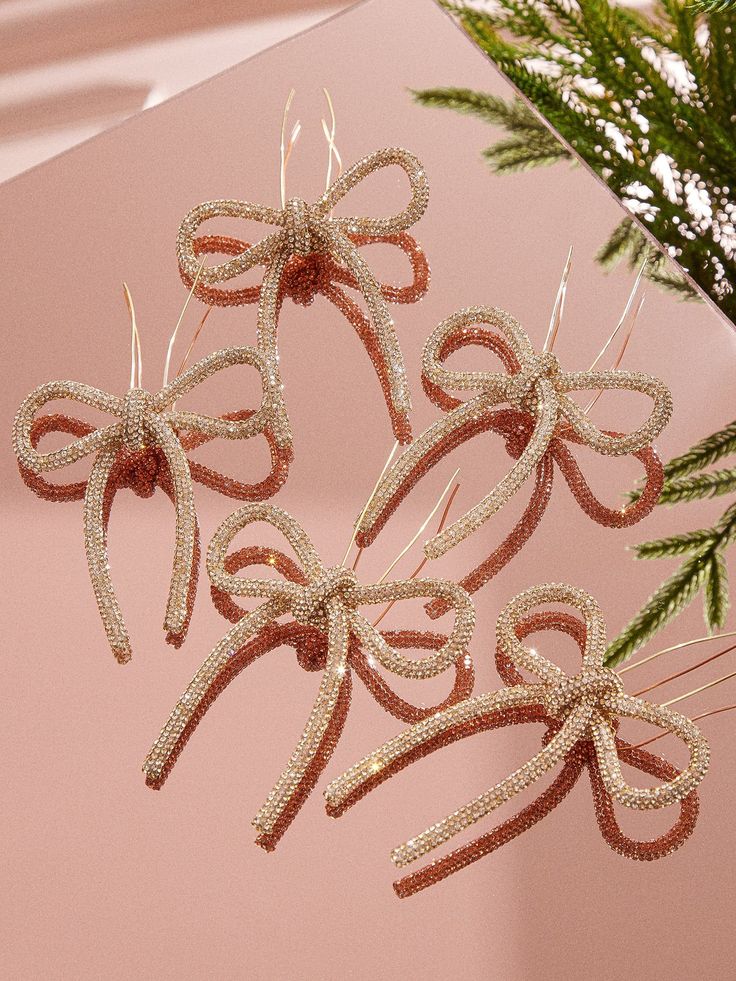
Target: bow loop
(392,156)
(91,442)
(603,442)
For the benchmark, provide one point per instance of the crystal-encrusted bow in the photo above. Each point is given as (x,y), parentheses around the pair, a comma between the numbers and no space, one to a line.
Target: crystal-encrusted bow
(533,384)
(145,422)
(586,708)
(327,600)
(304,229)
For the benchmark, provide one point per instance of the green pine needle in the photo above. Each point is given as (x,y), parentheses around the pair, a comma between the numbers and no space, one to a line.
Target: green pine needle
(625,238)
(715,594)
(697,488)
(704,568)
(514,155)
(663,548)
(703,454)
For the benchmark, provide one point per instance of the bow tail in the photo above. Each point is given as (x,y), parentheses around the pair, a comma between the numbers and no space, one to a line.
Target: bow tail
(96,508)
(346,789)
(186,539)
(551,754)
(269,307)
(201,691)
(354,315)
(315,740)
(177,639)
(531,455)
(512,543)
(503,833)
(380,316)
(419,457)
(670,791)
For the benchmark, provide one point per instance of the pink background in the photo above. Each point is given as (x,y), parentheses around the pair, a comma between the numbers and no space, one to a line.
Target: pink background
(105,879)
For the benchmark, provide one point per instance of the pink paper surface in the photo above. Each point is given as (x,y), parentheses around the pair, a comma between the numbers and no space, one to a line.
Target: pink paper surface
(107,879)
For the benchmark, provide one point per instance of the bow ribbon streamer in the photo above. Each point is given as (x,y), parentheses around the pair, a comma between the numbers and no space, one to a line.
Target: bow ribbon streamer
(586,708)
(145,421)
(327,600)
(533,385)
(303,229)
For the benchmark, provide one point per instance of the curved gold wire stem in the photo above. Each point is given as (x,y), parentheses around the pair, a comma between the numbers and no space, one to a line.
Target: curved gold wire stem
(329,132)
(415,573)
(676,647)
(136,361)
(622,349)
(421,529)
(172,339)
(623,318)
(697,691)
(193,341)
(386,465)
(680,674)
(559,307)
(284,148)
(695,718)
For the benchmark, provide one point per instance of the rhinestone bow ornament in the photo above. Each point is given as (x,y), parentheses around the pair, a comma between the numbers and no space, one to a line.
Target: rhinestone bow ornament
(147,445)
(541,416)
(325,601)
(584,710)
(303,230)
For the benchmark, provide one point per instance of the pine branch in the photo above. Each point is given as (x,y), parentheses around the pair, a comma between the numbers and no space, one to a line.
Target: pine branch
(517,154)
(625,237)
(697,488)
(703,568)
(514,115)
(703,454)
(663,605)
(550,48)
(662,548)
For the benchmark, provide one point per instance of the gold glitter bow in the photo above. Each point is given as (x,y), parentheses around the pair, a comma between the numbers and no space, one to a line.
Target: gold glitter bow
(587,705)
(145,420)
(304,229)
(328,602)
(540,388)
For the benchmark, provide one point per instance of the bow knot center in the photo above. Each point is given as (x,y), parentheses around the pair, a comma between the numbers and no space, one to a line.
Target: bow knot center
(592,686)
(524,382)
(136,405)
(310,608)
(306,276)
(298,226)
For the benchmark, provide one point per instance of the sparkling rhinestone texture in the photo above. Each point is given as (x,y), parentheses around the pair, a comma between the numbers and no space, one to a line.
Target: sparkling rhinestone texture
(146,447)
(304,230)
(582,713)
(541,415)
(326,601)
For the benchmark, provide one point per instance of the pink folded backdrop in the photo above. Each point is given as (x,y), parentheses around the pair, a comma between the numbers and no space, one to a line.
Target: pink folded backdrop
(107,879)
